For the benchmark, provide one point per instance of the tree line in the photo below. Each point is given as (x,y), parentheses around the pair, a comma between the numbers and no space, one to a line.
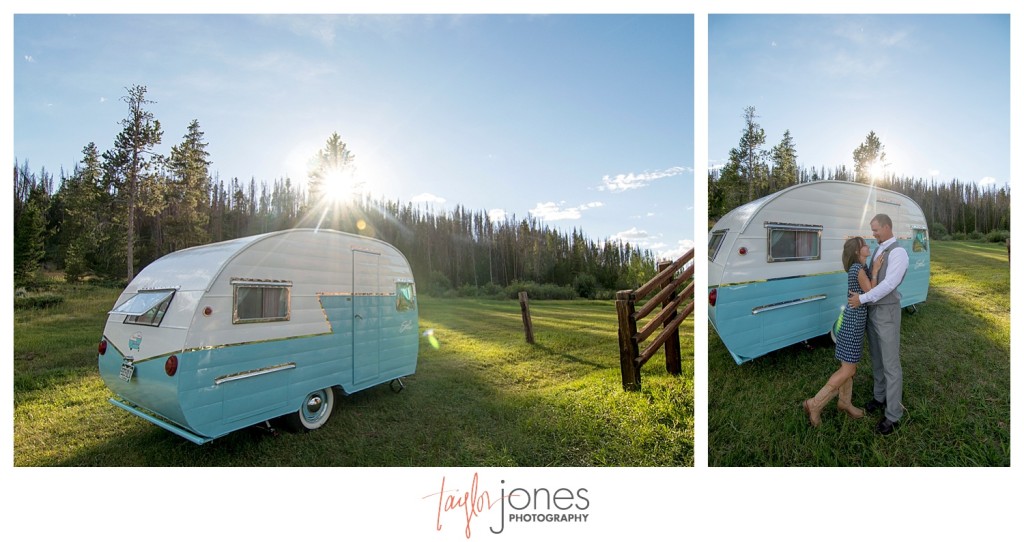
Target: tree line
(953,208)
(122,208)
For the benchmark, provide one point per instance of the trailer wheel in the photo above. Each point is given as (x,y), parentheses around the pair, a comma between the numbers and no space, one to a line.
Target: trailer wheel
(313,414)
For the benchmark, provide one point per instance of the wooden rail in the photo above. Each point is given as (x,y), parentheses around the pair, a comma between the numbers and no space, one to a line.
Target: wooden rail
(666,295)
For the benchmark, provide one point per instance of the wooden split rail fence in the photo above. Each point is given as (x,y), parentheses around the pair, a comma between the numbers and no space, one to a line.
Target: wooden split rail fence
(662,291)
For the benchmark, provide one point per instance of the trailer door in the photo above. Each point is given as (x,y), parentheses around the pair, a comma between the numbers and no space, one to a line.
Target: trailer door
(365,317)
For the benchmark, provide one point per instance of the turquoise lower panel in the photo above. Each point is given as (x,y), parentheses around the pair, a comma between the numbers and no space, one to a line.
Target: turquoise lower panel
(748,335)
(193,400)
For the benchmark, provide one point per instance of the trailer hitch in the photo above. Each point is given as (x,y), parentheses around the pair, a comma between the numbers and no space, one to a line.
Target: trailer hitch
(401,385)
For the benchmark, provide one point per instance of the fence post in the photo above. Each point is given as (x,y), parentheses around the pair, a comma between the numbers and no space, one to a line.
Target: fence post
(524,306)
(673,356)
(629,350)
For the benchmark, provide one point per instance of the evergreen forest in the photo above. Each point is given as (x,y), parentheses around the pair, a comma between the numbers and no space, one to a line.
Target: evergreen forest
(124,207)
(955,209)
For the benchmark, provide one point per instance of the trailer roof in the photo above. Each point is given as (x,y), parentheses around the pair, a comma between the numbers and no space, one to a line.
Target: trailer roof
(740,216)
(196,268)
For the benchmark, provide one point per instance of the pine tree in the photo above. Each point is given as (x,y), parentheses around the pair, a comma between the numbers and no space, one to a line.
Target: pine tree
(750,156)
(30,236)
(188,195)
(784,169)
(85,228)
(743,178)
(130,167)
(330,165)
(868,158)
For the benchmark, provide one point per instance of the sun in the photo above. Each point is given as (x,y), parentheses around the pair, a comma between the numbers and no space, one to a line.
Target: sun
(876,170)
(341,186)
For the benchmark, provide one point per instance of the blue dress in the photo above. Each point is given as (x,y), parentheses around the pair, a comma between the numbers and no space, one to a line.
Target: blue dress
(850,339)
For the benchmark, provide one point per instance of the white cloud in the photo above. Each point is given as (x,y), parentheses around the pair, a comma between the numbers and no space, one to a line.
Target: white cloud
(427,197)
(677,251)
(633,235)
(497,215)
(630,181)
(552,211)
(102,99)
(28,58)
(933,173)
(986,181)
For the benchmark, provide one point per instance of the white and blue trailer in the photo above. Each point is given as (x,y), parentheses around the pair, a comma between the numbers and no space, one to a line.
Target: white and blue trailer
(775,275)
(215,338)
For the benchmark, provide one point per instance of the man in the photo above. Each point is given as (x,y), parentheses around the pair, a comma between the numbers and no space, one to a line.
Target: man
(883,329)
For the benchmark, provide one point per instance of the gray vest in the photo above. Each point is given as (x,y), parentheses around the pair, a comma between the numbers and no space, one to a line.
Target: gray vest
(894,296)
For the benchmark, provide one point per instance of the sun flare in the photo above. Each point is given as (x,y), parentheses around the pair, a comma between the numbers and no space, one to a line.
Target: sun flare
(876,170)
(341,186)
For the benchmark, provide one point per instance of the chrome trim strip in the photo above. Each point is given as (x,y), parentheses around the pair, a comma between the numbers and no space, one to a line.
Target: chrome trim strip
(268,283)
(255,372)
(798,227)
(783,304)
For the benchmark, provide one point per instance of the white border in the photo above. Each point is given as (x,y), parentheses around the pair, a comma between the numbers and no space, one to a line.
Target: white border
(700,503)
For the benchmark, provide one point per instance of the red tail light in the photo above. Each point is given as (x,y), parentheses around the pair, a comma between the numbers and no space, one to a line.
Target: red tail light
(103,348)
(713,297)
(171,365)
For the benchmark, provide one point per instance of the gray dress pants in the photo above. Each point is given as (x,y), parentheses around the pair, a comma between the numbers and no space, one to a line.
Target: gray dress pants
(883,332)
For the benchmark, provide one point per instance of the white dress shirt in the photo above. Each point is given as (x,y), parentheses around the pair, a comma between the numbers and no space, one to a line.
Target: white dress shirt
(899,261)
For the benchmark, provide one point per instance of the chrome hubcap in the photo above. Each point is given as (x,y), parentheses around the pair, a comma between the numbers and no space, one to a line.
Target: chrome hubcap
(313,404)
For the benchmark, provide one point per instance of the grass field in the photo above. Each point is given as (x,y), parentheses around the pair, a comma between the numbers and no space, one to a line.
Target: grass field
(955,353)
(482,398)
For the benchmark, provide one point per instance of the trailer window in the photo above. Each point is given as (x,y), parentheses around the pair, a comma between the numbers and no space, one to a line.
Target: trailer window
(146,308)
(715,243)
(790,242)
(406,293)
(920,240)
(261,302)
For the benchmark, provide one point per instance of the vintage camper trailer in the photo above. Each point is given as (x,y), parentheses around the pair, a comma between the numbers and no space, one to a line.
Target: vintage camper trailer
(775,274)
(211,339)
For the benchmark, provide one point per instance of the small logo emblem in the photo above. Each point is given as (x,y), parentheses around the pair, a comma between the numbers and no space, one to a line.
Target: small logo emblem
(135,342)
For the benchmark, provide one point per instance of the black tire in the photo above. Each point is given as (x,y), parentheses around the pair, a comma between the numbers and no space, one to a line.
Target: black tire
(313,414)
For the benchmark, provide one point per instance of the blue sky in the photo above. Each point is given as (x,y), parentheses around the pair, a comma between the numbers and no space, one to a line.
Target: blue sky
(581,120)
(934,88)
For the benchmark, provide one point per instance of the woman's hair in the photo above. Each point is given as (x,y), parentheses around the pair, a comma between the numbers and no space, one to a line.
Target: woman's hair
(851,251)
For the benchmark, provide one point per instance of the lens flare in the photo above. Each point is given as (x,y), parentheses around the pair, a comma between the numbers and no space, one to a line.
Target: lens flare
(429,334)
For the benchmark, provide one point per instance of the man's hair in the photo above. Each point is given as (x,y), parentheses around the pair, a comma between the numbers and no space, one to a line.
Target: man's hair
(882,219)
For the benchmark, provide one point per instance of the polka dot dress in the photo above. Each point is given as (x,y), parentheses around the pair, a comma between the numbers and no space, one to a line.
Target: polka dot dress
(850,339)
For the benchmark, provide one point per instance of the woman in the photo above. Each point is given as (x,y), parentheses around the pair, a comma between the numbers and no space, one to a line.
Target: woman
(849,339)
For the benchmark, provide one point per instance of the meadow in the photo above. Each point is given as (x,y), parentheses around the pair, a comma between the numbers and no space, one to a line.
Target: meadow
(955,352)
(481,397)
